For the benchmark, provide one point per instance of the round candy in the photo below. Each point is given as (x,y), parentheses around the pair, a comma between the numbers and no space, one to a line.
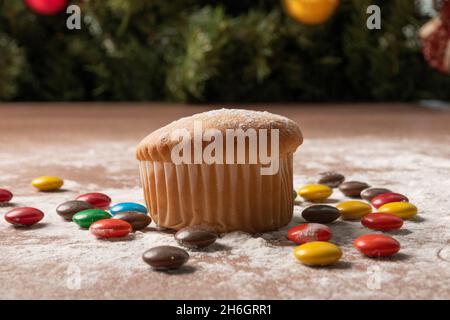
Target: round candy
(110,228)
(377,245)
(47,183)
(96,199)
(321,213)
(370,193)
(353,189)
(86,217)
(404,210)
(384,198)
(69,208)
(5,195)
(127,206)
(294,194)
(165,257)
(331,179)
(382,221)
(24,216)
(308,232)
(137,220)
(353,210)
(315,192)
(196,237)
(318,253)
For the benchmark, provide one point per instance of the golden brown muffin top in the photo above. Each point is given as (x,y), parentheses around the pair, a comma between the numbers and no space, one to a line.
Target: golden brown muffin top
(157,146)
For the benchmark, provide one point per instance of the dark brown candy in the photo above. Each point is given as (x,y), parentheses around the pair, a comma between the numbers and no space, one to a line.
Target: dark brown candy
(68,209)
(196,237)
(370,193)
(353,188)
(138,220)
(321,213)
(331,179)
(165,257)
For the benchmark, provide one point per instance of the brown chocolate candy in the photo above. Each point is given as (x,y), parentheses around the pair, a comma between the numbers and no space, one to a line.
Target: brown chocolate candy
(370,193)
(69,208)
(196,237)
(321,213)
(331,179)
(165,257)
(138,220)
(353,188)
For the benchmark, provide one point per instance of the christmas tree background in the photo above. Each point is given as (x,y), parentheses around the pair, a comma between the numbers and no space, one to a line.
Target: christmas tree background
(214,51)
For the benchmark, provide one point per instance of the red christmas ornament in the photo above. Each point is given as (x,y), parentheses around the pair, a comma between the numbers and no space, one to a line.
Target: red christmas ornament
(435,36)
(46,7)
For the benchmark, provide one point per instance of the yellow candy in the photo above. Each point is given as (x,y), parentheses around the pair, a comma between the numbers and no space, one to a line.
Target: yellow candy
(315,192)
(353,210)
(47,183)
(318,253)
(404,210)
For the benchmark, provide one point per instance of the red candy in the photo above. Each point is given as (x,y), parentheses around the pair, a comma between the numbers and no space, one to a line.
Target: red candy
(384,198)
(377,245)
(96,199)
(5,195)
(308,232)
(24,216)
(110,228)
(382,221)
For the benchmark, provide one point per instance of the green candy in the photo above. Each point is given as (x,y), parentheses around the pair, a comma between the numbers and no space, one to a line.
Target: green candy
(86,217)
(295,194)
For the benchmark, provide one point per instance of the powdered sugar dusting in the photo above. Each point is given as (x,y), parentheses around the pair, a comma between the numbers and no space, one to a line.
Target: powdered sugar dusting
(56,259)
(156,144)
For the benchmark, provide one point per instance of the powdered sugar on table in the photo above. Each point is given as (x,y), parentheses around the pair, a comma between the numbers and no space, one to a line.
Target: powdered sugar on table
(56,259)
(402,148)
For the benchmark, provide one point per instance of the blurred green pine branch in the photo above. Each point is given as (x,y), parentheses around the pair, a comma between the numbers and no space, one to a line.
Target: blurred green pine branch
(199,51)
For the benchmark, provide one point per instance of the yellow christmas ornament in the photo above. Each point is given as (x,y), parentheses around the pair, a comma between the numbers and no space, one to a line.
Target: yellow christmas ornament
(311,12)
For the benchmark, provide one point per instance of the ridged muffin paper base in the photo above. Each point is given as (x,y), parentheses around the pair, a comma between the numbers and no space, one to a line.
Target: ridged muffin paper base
(226,197)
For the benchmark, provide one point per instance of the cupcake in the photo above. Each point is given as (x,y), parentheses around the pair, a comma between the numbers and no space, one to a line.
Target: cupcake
(228,169)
